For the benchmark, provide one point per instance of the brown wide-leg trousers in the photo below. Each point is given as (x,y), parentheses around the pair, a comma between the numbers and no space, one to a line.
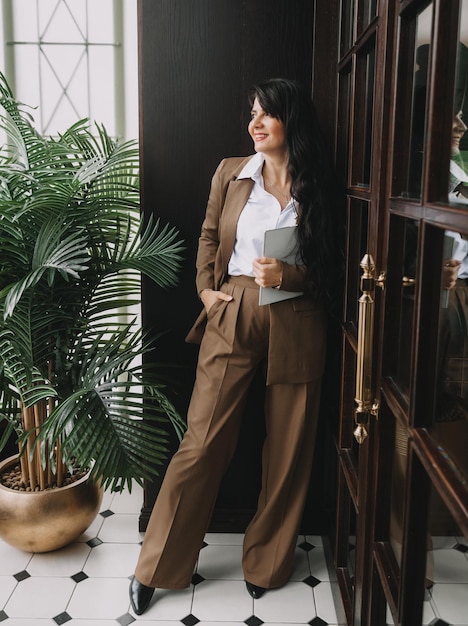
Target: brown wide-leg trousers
(226,366)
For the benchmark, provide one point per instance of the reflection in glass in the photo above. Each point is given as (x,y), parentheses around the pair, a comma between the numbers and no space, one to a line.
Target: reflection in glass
(458,183)
(342,152)
(406,305)
(352,559)
(389,619)
(368,10)
(363,119)
(452,391)
(358,218)
(347,15)
(446,579)
(370,71)
(400,455)
(351,564)
(458,180)
(420,82)
(447,567)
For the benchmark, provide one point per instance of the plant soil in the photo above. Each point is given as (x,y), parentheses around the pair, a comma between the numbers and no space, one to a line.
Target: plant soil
(11,479)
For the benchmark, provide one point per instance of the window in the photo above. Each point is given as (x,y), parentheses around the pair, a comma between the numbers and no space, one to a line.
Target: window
(73,59)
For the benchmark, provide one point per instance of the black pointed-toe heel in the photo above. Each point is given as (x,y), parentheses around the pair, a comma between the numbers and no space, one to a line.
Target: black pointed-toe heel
(140,596)
(255,591)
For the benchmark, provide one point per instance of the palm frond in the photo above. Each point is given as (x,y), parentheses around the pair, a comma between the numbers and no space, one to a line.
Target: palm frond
(155,252)
(102,421)
(66,255)
(74,248)
(26,380)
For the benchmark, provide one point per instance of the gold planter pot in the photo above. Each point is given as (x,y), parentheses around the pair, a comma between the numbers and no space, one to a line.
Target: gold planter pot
(42,521)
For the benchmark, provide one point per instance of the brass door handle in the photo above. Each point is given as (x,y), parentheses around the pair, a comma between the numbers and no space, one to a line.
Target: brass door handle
(366,404)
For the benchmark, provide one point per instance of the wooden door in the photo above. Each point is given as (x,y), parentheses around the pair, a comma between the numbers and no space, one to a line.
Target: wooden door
(402,509)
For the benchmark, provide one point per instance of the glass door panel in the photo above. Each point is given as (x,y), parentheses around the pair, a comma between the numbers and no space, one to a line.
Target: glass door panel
(410,129)
(363,116)
(344,97)
(451,419)
(357,245)
(458,179)
(401,289)
(407,300)
(347,24)
(399,472)
(352,554)
(367,12)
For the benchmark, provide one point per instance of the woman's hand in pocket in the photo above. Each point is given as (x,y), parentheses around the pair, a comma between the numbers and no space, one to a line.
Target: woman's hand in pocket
(210,296)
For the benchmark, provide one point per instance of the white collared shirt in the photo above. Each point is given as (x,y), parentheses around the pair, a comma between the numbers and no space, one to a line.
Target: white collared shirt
(262,212)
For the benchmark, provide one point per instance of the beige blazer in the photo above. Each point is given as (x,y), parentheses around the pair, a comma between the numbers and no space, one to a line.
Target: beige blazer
(297,326)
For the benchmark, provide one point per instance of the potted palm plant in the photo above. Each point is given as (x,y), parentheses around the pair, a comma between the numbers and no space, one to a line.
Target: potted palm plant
(74,390)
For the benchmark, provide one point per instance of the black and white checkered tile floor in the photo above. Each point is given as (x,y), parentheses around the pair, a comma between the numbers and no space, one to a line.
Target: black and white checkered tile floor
(86,583)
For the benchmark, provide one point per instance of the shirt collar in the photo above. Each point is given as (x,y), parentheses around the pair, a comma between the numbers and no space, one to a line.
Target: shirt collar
(253,168)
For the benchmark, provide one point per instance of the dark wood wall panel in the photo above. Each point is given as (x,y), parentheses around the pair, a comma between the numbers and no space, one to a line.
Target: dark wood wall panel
(197,61)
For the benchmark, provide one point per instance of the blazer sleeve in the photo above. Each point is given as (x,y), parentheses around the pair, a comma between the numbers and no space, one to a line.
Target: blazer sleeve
(208,261)
(294,277)
(208,242)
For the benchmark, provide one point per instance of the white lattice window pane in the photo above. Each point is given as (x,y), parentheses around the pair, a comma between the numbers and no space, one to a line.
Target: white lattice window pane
(27,82)
(63,20)
(60,118)
(64,86)
(101,22)
(78,88)
(25,20)
(101,85)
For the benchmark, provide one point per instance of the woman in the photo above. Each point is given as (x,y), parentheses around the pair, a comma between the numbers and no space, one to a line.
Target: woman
(286,183)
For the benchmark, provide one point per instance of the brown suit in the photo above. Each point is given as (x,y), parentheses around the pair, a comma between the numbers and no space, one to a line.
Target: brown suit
(236,338)
(303,346)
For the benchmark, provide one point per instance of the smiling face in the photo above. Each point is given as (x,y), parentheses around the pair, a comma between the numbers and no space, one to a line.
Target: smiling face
(268,133)
(458,130)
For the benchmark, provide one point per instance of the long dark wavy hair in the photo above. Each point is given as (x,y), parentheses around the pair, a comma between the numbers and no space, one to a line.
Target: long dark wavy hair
(313,186)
